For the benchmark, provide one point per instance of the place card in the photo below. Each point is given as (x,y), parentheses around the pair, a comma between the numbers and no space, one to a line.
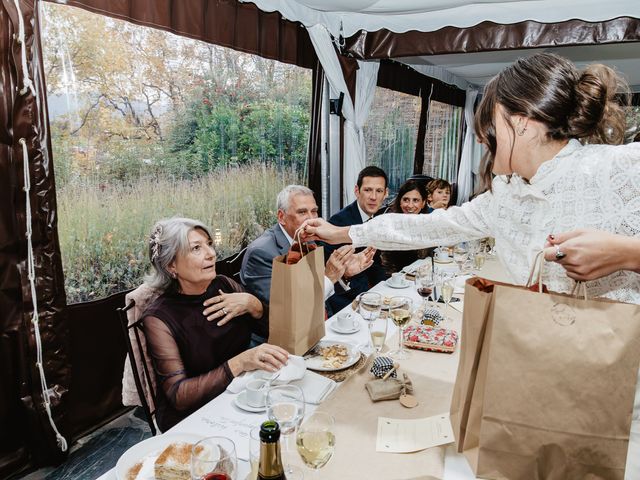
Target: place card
(405,436)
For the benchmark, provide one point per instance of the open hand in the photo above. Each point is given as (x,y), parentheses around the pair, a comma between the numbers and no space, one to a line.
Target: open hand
(337,263)
(360,262)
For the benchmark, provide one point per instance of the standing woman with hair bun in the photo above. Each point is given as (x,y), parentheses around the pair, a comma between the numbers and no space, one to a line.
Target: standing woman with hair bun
(552,166)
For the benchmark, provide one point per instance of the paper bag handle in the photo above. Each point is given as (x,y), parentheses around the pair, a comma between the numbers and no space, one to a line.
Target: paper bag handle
(539,263)
(297,238)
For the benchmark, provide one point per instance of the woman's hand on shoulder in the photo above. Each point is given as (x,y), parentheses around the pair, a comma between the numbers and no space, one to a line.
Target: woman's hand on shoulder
(226,306)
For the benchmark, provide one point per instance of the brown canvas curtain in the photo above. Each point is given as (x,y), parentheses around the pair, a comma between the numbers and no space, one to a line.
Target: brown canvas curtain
(26,437)
(241,26)
(488,36)
(25,433)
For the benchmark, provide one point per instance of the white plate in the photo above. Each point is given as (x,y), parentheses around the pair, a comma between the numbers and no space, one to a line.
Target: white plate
(405,283)
(314,362)
(150,446)
(241,402)
(333,325)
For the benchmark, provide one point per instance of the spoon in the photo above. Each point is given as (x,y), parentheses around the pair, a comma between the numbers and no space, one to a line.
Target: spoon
(396,365)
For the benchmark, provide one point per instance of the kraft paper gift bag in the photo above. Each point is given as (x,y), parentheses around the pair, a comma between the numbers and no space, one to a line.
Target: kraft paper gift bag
(296,305)
(545,383)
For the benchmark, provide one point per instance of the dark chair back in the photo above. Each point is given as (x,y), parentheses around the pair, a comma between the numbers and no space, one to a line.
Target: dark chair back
(231,265)
(137,328)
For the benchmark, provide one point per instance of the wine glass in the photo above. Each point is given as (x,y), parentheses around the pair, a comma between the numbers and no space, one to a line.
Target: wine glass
(478,260)
(425,284)
(460,254)
(214,458)
(285,405)
(316,441)
(369,307)
(448,285)
(378,332)
(400,312)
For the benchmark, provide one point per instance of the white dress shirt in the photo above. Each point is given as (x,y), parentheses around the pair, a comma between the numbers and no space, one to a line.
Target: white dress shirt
(329,289)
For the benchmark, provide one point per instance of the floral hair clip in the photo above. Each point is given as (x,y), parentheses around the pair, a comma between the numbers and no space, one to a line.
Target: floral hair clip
(154,241)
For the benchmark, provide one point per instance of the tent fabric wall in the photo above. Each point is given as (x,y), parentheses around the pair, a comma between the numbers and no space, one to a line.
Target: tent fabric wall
(349,16)
(488,36)
(25,432)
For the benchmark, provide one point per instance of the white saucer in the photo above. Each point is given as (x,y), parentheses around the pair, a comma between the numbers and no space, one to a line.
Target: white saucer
(449,260)
(333,325)
(241,402)
(405,283)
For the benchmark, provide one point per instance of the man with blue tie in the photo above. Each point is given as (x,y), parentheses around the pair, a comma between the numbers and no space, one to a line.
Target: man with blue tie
(371,190)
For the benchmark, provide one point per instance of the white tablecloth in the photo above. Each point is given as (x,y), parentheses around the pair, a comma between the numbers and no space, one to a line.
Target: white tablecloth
(221,417)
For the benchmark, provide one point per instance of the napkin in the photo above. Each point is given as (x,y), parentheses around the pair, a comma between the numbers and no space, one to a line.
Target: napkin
(459,286)
(293,370)
(316,388)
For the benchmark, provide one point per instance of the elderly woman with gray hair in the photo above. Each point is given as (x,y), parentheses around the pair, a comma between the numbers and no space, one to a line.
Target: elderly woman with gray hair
(194,357)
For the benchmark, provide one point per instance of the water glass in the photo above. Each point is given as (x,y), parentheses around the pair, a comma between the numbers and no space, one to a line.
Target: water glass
(460,254)
(214,458)
(285,405)
(369,305)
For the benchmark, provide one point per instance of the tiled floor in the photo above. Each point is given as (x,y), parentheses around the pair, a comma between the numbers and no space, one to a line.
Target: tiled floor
(98,452)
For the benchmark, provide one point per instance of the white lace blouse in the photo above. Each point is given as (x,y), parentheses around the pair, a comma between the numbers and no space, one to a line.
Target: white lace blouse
(591,186)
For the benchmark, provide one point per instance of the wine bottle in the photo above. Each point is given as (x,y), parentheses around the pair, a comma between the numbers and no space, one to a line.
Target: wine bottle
(270,467)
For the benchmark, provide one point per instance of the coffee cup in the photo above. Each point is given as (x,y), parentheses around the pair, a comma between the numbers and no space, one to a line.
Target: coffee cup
(397,278)
(256,393)
(441,254)
(344,320)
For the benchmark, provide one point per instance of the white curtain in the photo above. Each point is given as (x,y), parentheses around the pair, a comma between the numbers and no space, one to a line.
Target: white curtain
(355,116)
(465,173)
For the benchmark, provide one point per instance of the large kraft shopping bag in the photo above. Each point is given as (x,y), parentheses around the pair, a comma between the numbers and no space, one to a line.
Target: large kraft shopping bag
(296,305)
(545,384)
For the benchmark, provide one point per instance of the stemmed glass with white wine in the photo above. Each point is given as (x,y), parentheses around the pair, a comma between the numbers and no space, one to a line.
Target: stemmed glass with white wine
(316,440)
(285,405)
(370,304)
(400,313)
(448,285)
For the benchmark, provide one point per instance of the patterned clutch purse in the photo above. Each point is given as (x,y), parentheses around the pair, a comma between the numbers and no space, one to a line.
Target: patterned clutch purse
(433,339)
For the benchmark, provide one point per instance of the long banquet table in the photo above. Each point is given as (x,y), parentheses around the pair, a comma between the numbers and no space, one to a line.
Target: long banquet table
(433,376)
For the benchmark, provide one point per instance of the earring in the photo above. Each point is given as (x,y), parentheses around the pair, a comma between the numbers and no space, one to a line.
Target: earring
(174,275)
(521,131)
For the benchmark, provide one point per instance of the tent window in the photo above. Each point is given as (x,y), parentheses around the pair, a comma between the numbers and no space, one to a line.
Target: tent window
(147,125)
(442,145)
(391,133)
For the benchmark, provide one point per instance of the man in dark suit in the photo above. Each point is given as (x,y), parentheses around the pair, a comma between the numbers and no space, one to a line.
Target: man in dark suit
(295,204)
(370,190)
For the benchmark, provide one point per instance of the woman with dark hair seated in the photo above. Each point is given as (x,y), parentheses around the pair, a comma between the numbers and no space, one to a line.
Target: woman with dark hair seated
(411,198)
(197,353)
